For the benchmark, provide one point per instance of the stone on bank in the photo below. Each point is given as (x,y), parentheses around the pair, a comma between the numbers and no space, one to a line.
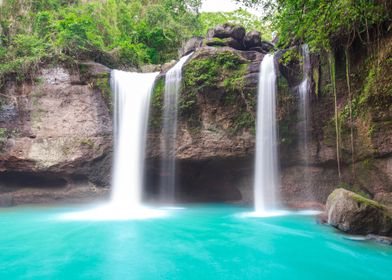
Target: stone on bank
(355,214)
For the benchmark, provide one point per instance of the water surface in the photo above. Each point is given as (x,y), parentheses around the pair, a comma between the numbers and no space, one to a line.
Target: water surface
(199,242)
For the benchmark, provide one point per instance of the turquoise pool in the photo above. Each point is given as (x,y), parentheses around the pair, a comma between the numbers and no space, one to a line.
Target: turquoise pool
(196,242)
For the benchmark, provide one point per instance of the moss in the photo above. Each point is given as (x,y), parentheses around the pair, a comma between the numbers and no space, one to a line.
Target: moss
(363,201)
(316,79)
(156,110)
(353,188)
(87,142)
(102,84)
(286,116)
(367,202)
(209,74)
(3,138)
(216,42)
(242,121)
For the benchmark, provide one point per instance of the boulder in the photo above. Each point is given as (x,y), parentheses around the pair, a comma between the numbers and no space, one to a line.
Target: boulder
(226,42)
(227,30)
(215,42)
(235,44)
(355,214)
(191,45)
(266,46)
(252,39)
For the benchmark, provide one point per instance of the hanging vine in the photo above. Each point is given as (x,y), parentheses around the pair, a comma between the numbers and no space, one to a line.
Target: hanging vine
(350,106)
(332,71)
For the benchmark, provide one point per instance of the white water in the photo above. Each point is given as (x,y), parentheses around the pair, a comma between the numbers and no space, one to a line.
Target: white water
(304,113)
(132,93)
(266,180)
(168,145)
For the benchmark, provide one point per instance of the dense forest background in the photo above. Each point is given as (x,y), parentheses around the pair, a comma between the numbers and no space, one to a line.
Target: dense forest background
(117,33)
(121,33)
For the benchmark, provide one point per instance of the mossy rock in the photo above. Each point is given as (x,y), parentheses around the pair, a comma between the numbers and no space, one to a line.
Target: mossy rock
(156,109)
(355,214)
(216,72)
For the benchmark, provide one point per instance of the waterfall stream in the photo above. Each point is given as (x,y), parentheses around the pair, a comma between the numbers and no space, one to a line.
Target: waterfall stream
(266,179)
(131,93)
(303,90)
(304,118)
(168,144)
(131,102)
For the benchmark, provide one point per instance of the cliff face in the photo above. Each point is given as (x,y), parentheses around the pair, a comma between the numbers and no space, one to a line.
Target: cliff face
(216,140)
(56,135)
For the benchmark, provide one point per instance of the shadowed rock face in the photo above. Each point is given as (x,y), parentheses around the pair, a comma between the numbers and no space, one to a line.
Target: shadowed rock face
(56,127)
(355,214)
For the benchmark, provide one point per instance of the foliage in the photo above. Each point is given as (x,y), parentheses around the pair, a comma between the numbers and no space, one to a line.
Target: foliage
(114,32)
(321,23)
(156,111)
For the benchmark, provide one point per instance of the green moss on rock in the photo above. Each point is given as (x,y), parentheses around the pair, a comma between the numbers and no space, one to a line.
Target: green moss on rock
(102,84)
(212,72)
(285,114)
(156,110)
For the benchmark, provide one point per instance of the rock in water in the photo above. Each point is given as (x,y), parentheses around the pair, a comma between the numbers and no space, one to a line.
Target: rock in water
(355,214)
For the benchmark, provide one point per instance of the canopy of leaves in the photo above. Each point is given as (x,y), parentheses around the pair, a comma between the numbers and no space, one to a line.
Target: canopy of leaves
(114,32)
(321,23)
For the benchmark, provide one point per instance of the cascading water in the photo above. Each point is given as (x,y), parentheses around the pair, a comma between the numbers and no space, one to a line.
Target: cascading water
(304,118)
(266,179)
(304,113)
(132,93)
(131,102)
(168,144)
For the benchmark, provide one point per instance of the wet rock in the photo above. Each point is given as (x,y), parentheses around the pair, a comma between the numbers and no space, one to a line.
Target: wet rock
(384,198)
(215,42)
(63,124)
(380,239)
(227,30)
(191,45)
(6,200)
(149,68)
(355,214)
(266,46)
(94,69)
(235,44)
(252,39)
(226,42)
(166,67)
(322,218)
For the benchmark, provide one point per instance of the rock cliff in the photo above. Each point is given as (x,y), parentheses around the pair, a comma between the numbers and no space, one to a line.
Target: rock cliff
(55,132)
(56,137)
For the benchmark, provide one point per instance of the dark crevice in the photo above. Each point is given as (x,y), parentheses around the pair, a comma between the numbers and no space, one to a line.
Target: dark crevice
(31,180)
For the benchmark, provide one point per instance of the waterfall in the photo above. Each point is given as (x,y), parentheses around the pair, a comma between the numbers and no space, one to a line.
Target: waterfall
(266,179)
(131,102)
(132,93)
(304,115)
(168,145)
(303,90)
